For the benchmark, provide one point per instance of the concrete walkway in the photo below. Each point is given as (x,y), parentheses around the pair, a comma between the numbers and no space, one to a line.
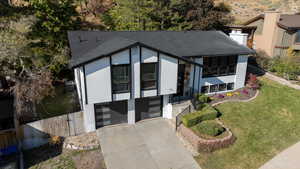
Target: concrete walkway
(151,144)
(273,77)
(281,81)
(288,159)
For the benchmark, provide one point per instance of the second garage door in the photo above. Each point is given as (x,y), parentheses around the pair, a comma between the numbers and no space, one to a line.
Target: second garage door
(111,113)
(149,107)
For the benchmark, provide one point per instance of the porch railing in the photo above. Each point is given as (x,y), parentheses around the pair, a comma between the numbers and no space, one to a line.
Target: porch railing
(185,111)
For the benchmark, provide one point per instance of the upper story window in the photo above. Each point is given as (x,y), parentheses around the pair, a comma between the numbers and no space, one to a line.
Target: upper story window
(121,78)
(149,76)
(219,66)
(297,39)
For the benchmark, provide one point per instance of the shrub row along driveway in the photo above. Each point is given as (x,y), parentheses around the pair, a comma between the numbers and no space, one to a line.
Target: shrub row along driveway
(264,127)
(151,144)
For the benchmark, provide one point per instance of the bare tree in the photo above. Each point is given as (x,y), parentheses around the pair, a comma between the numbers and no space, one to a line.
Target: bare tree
(31,81)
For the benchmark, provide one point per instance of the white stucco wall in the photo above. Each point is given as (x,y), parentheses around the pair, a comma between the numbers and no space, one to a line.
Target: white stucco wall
(167,107)
(120,58)
(77,77)
(98,81)
(168,75)
(121,96)
(241,71)
(148,55)
(131,111)
(149,93)
(135,72)
(89,118)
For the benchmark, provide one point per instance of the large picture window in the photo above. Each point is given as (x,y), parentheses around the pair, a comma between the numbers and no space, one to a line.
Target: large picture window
(121,78)
(149,76)
(297,39)
(219,66)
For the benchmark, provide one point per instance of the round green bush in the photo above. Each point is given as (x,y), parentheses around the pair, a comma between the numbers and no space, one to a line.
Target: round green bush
(210,127)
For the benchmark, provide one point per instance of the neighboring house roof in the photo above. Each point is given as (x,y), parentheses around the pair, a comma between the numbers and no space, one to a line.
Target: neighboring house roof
(90,45)
(261,16)
(290,22)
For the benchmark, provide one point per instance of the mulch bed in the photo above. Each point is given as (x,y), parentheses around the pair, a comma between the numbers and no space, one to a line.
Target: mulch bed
(237,95)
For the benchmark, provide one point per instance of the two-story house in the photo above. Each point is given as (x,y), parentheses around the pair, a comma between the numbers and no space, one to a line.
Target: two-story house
(124,77)
(273,33)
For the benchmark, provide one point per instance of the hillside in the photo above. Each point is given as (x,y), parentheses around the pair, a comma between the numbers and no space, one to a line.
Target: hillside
(245,9)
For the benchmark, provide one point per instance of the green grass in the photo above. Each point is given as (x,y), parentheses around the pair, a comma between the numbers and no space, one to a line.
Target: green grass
(264,127)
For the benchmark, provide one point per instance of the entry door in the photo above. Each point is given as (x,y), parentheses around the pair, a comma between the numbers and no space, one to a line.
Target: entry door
(180,82)
(111,113)
(148,107)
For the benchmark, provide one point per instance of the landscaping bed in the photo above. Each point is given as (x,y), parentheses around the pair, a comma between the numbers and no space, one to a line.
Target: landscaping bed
(204,142)
(238,95)
(204,131)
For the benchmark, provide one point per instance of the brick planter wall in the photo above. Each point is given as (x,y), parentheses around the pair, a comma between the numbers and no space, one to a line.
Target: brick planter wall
(206,145)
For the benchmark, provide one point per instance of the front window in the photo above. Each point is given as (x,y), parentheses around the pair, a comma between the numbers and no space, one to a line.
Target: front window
(205,89)
(120,78)
(213,88)
(149,76)
(217,88)
(297,40)
(230,86)
(219,66)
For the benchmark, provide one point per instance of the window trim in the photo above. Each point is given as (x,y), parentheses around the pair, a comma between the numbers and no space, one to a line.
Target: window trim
(129,79)
(156,78)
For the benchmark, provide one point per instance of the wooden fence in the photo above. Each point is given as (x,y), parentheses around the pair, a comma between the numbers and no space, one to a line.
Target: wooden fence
(37,133)
(7,138)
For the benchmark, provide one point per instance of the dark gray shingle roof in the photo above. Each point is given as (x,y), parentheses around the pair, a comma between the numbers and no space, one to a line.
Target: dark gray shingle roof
(88,45)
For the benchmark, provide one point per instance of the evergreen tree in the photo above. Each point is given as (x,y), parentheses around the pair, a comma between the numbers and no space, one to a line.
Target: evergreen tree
(167,15)
(205,15)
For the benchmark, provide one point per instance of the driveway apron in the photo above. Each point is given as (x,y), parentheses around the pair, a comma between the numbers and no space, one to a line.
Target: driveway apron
(150,144)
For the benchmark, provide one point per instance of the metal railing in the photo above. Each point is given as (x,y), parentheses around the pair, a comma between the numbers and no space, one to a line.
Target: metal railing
(185,111)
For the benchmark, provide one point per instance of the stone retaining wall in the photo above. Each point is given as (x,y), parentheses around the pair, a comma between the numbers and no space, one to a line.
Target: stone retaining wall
(206,145)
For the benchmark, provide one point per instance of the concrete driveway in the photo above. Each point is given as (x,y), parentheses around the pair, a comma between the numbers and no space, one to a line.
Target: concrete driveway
(150,144)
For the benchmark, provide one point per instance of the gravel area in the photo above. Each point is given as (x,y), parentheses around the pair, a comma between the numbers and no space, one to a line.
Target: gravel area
(84,141)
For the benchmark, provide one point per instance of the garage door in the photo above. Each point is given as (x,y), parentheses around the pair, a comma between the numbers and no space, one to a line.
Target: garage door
(146,108)
(111,113)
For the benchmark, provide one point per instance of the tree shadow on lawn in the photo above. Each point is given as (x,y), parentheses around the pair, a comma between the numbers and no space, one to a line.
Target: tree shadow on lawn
(41,154)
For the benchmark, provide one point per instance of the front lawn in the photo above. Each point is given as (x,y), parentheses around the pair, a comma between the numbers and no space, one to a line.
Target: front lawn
(263,127)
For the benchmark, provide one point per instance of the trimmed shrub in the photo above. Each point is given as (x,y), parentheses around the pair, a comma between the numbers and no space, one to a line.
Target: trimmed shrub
(201,101)
(207,113)
(211,128)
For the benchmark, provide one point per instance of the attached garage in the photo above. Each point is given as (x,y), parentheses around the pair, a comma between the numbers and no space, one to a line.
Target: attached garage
(111,113)
(149,107)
